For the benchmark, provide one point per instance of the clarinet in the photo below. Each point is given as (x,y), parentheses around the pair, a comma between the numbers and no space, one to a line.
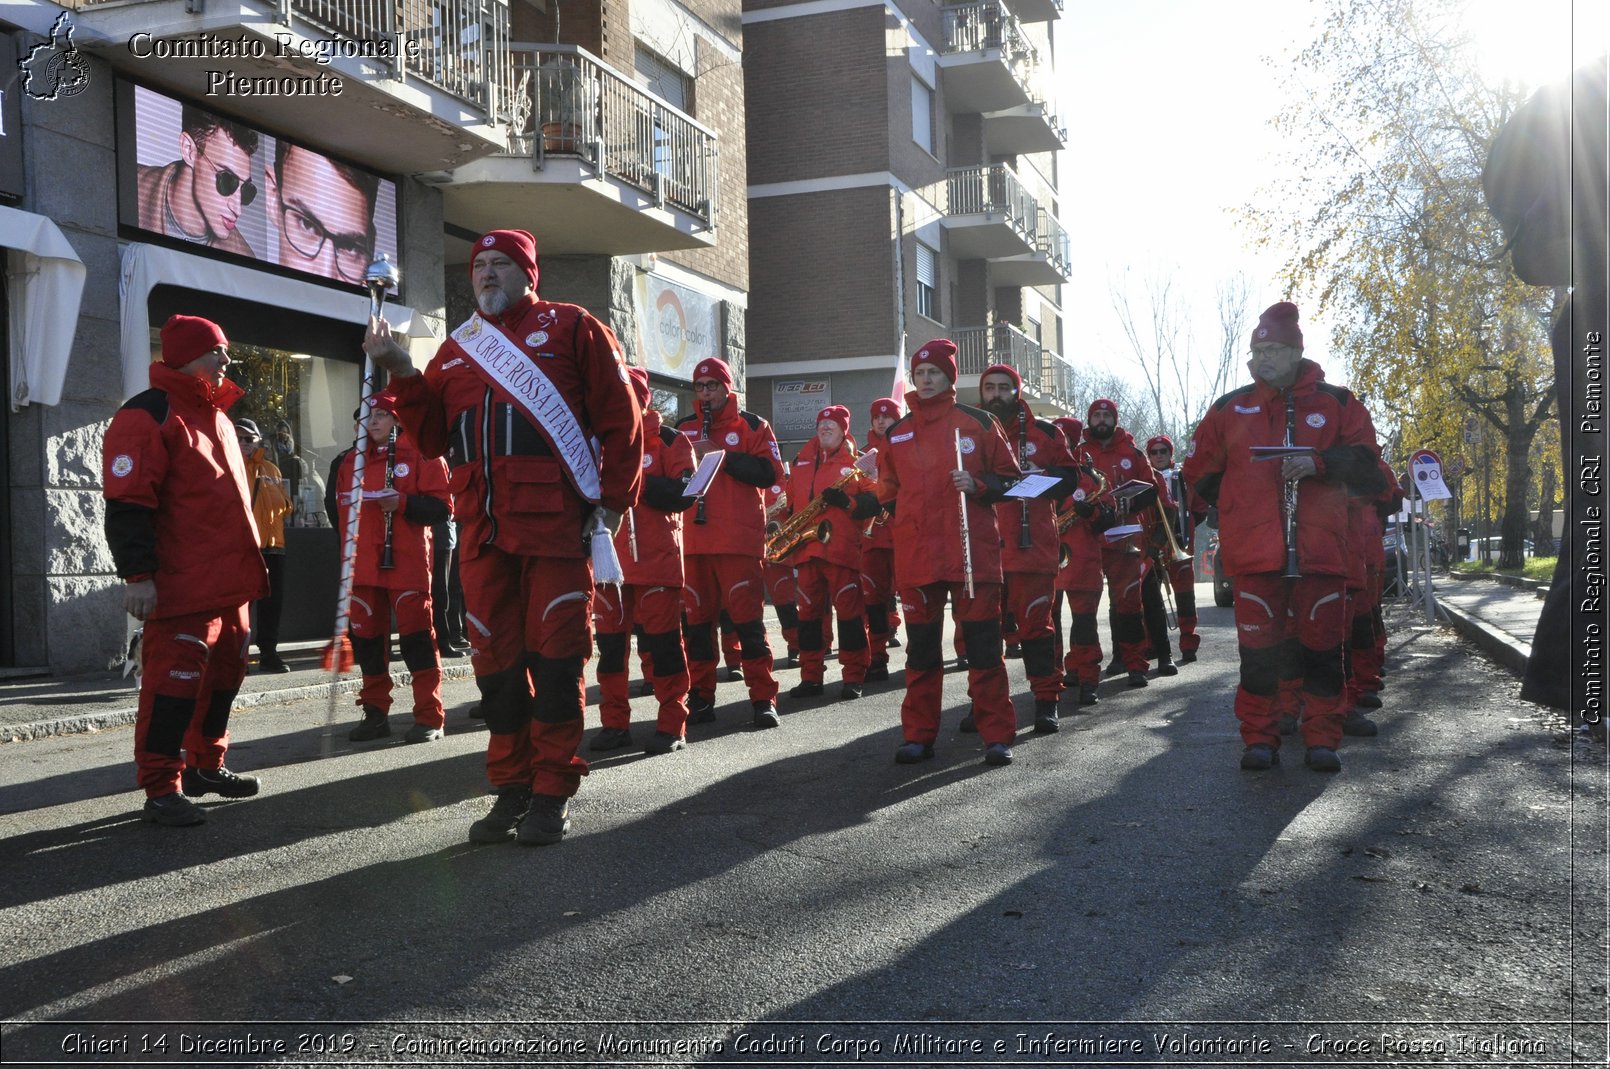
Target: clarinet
(386,560)
(698,513)
(1024,537)
(1289,498)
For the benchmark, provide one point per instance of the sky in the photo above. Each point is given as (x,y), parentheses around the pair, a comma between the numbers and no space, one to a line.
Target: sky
(1168,105)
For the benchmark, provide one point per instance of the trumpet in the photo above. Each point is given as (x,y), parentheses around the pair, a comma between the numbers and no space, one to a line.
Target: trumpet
(784,539)
(1176,555)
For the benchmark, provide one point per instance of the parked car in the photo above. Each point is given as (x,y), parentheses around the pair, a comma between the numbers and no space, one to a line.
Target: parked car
(1490,549)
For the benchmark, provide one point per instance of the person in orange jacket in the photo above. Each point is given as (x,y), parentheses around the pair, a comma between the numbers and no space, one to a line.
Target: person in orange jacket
(1287,401)
(723,546)
(877,560)
(415,496)
(1079,578)
(829,570)
(271,503)
(934,562)
(515,400)
(1179,574)
(179,524)
(649,545)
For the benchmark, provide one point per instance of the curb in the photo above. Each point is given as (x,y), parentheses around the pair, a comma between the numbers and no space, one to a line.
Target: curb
(1509,652)
(89,722)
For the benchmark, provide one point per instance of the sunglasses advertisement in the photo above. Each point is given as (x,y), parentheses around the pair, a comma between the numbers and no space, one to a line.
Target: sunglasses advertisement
(204,181)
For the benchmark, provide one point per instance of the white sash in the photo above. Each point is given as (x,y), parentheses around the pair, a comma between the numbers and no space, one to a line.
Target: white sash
(510,368)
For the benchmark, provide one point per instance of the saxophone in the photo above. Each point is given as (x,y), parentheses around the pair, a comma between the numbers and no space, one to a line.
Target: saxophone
(1065,520)
(806,525)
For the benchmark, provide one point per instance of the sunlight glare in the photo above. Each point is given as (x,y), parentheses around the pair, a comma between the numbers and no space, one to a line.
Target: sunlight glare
(1543,44)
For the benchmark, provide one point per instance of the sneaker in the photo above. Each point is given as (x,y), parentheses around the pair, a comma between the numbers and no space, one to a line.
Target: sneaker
(701,708)
(1369,700)
(878,673)
(849,691)
(199,781)
(1166,667)
(1114,668)
(376,725)
(1288,724)
(1322,759)
(1045,718)
(664,742)
(1259,757)
(735,674)
(498,825)
(1088,695)
(766,715)
(968,726)
(810,688)
(1137,679)
(611,739)
(423,733)
(1187,656)
(998,754)
(912,752)
(546,822)
(172,811)
(271,662)
(1358,725)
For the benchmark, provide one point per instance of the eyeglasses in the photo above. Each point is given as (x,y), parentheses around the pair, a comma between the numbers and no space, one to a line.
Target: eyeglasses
(228,181)
(307,236)
(708,387)
(1158,452)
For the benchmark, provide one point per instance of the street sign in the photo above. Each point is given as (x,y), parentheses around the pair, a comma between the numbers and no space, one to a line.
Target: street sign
(1426,469)
(1471,427)
(1456,467)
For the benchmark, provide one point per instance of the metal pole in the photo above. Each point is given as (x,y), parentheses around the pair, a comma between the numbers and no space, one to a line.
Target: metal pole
(1425,534)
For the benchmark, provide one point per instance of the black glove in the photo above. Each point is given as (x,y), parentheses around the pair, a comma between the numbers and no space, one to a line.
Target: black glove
(836,498)
(1085,509)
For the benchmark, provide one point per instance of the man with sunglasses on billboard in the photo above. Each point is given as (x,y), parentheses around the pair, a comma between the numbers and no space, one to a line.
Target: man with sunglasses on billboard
(200,196)
(324,212)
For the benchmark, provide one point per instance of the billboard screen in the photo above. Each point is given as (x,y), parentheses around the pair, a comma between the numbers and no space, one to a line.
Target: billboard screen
(199,177)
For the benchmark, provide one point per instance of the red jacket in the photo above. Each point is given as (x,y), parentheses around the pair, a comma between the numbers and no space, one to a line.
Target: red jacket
(1045,451)
(509,489)
(423,486)
(810,474)
(1120,461)
(1081,543)
(916,477)
(882,536)
(734,511)
(1249,493)
(177,504)
(655,522)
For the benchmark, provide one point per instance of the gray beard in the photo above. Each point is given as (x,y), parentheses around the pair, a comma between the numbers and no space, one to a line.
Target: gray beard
(492,303)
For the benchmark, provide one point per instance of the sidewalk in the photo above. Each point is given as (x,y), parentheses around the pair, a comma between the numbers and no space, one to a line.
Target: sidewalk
(1499,617)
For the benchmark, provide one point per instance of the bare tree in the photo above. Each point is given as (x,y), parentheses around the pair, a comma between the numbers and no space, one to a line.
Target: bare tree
(1153,333)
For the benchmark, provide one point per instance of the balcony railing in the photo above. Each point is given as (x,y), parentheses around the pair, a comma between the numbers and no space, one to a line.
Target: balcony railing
(1051,241)
(567,102)
(1046,376)
(992,191)
(988,25)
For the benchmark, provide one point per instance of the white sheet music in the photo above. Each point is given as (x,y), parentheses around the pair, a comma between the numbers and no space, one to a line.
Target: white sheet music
(1032,485)
(705,473)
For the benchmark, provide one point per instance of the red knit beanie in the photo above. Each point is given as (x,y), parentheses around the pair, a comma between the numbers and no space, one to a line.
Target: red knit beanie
(184,338)
(886,406)
(1071,428)
(517,245)
(1278,325)
(1157,440)
(1002,369)
(639,378)
(384,401)
(838,414)
(941,352)
(713,368)
(1102,404)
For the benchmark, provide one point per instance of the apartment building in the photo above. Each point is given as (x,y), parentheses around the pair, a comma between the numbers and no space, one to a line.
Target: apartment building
(245,160)
(903,164)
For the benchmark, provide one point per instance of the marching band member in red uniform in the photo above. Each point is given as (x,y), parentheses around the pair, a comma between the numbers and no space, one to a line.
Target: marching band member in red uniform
(933,561)
(1365,629)
(781,583)
(1288,401)
(514,400)
(1181,574)
(180,527)
(830,571)
(1111,450)
(877,559)
(1079,577)
(417,500)
(649,545)
(725,543)
(1030,548)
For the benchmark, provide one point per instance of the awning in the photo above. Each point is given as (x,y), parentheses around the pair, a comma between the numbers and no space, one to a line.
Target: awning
(147,266)
(45,279)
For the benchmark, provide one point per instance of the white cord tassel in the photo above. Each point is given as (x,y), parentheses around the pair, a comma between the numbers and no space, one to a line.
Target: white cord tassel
(606,565)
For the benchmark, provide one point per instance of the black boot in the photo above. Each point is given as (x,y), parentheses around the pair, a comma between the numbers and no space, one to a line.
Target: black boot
(1045,718)
(1087,694)
(376,725)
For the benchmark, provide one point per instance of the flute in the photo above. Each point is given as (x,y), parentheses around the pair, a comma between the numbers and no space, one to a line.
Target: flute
(386,559)
(1024,538)
(967,537)
(1289,495)
(631,530)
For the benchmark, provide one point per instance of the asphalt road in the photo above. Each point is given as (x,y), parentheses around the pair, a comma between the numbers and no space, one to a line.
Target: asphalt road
(1122,893)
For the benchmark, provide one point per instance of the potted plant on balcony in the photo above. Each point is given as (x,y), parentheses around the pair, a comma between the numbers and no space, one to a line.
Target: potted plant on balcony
(566,104)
